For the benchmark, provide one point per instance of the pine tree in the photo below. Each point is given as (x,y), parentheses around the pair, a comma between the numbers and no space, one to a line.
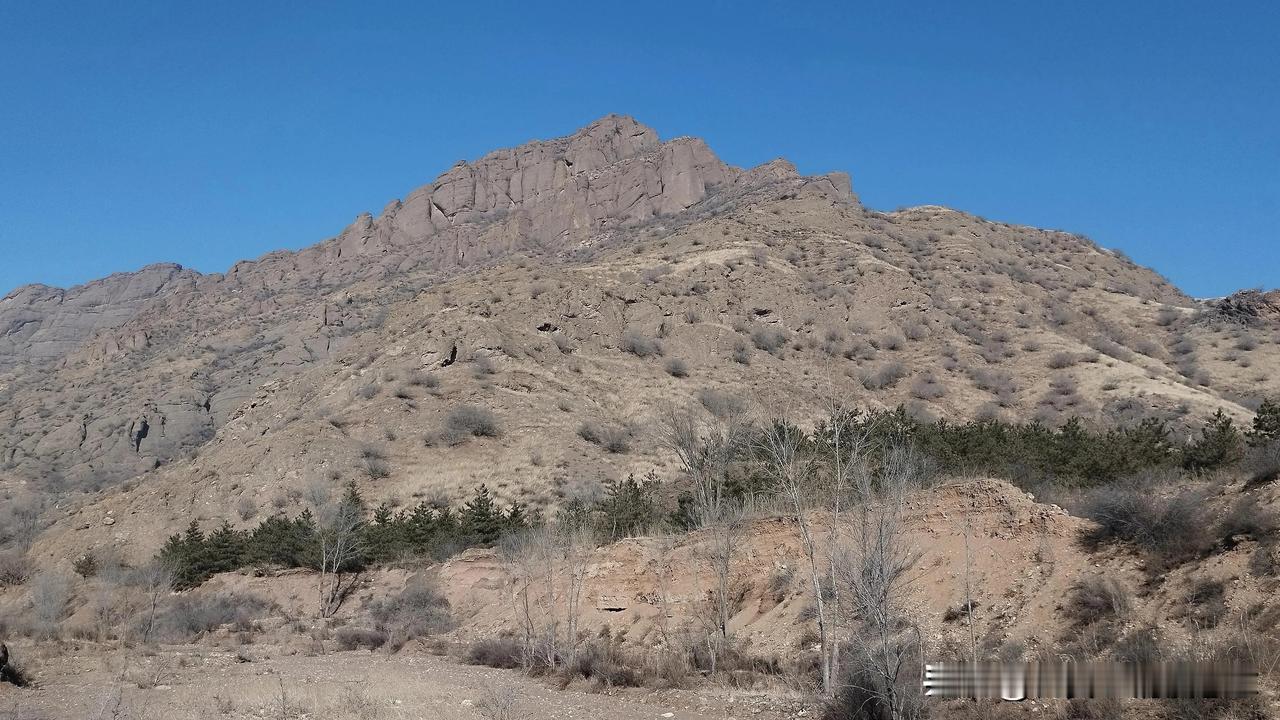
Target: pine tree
(482,521)
(1219,444)
(1266,423)
(225,549)
(187,558)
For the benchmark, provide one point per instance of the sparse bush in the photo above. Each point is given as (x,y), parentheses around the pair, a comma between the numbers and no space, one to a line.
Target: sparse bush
(418,378)
(640,345)
(50,593)
(741,354)
(916,331)
(503,652)
(768,339)
(1207,601)
(482,365)
(15,569)
(613,438)
(469,420)
(1174,529)
(354,638)
(367,392)
(420,610)
(1060,360)
(1246,519)
(1265,561)
(1097,599)
(499,702)
(1262,463)
(676,367)
(721,404)
(886,376)
(927,387)
(188,616)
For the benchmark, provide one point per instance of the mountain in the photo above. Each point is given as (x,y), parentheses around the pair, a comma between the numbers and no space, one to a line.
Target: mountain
(572,284)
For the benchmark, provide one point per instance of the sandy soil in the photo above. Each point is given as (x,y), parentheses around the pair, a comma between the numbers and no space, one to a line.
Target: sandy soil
(190,683)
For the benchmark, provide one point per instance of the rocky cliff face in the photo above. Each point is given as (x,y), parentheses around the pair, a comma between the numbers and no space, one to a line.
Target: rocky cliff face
(164,356)
(554,275)
(41,324)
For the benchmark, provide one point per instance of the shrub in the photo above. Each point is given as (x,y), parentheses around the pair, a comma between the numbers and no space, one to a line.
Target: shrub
(604,663)
(188,616)
(613,438)
(886,376)
(482,365)
(768,339)
(676,367)
(503,652)
(1246,519)
(1097,599)
(1140,646)
(640,345)
(417,611)
(15,569)
(469,420)
(354,638)
(741,354)
(1262,463)
(927,387)
(1174,529)
(50,593)
(721,404)
(418,378)
(1207,603)
(1265,561)
(1060,360)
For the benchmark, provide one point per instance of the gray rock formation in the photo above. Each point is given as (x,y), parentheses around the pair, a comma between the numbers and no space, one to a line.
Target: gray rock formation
(162,357)
(40,323)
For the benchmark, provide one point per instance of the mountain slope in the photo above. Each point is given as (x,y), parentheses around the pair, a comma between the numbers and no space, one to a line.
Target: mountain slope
(586,280)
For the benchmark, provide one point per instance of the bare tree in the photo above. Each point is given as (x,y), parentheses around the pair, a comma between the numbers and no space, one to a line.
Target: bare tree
(874,573)
(791,465)
(50,593)
(846,445)
(577,544)
(155,579)
(340,540)
(519,558)
(705,447)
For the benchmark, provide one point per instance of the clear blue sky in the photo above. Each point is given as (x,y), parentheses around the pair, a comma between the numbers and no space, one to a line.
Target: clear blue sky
(202,133)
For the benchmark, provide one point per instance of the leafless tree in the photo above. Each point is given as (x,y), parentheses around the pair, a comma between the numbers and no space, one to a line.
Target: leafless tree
(792,467)
(847,444)
(874,573)
(155,579)
(519,553)
(340,543)
(50,592)
(704,446)
(577,544)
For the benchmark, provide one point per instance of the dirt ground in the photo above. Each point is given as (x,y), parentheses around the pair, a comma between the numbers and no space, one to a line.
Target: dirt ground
(193,682)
